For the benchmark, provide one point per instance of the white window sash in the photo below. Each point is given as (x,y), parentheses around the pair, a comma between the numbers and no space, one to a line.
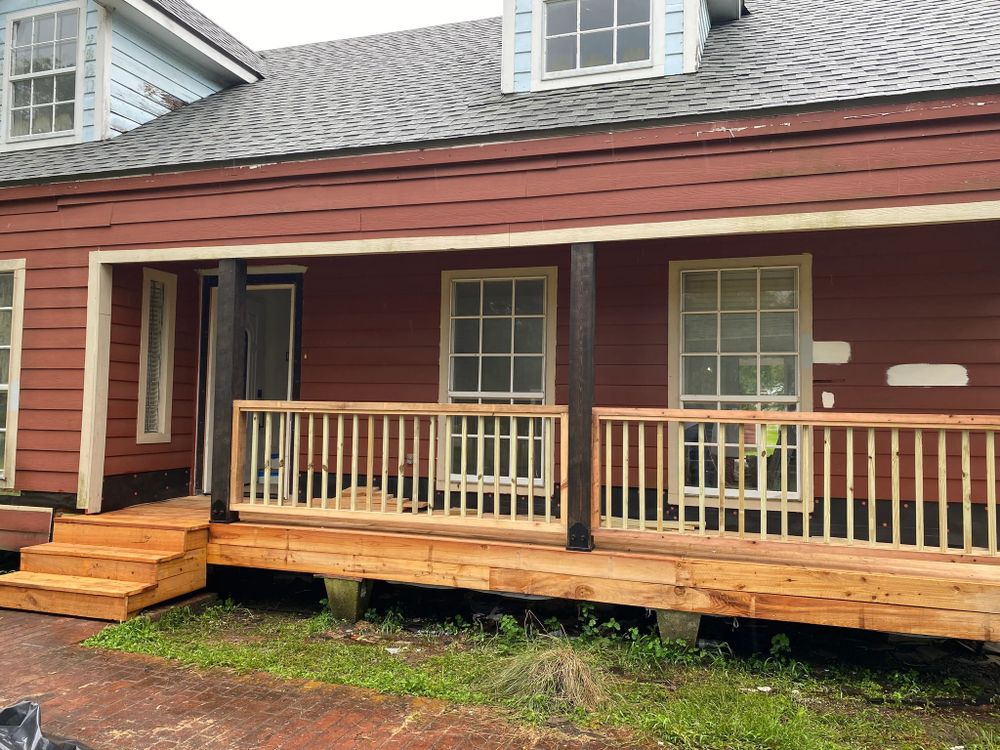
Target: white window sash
(579,33)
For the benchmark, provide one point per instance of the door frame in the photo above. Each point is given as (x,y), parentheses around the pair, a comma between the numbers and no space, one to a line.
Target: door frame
(293,281)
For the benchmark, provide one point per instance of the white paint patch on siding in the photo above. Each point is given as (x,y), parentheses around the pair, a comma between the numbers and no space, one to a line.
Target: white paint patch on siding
(831,352)
(828,400)
(928,376)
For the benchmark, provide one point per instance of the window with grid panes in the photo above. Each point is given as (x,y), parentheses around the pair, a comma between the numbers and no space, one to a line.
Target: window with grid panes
(497,355)
(584,35)
(740,350)
(43,74)
(6,335)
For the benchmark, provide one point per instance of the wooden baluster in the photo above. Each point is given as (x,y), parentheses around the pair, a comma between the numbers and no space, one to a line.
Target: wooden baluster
(872,502)
(370,463)
(608,481)
(548,431)
(827,449)
(784,482)
(267,458)
(325,479)
(496,466)
(480,468)
(896,517)
(918,485)
(850,484)
(762,477)
(721,471)
(806,478)
(386,430)
(513,468)
(416,465)
(339,486)
(702,524)
(741,458)
(431,464)
(642,476)
(943,490)
(296,423)
(448,450)
(254,424)
(310,467)
(282,456)
(991,493)
(625,481)
(659,477)
(966,492)
(401,465)
(531,468)
(682,496)
(355,442)
(464,474)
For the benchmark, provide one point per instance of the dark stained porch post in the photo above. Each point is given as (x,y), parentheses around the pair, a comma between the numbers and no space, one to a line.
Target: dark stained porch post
(230,378)
(582,317)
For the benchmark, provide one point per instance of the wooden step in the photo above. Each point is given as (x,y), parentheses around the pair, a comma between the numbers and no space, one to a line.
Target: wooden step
(88,530)
(79,596)
(90,561)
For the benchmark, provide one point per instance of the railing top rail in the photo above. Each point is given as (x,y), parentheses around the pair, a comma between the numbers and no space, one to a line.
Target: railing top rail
(371,408)
(816,419)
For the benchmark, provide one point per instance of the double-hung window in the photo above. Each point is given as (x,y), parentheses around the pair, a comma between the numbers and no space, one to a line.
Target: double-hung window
(499,349)
(42,75)
(740,328)
(593,35)
(156,357)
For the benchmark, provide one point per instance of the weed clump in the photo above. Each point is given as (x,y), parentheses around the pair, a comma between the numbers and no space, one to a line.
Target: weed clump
(554,674)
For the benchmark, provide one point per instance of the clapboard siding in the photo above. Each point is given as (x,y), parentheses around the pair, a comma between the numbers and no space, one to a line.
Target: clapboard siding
(149,79)
(857,158)
(123,454)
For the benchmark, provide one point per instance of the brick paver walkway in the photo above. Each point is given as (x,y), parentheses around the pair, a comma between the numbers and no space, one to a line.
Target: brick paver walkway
(118,701)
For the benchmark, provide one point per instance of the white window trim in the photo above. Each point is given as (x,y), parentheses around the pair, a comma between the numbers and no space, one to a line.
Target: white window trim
(169,282)
(7,143)
(655,67)
(551,275)
(16,267)
(804,265)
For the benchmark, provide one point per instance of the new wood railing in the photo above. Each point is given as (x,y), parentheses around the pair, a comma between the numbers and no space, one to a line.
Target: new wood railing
(406,462)
(919,482)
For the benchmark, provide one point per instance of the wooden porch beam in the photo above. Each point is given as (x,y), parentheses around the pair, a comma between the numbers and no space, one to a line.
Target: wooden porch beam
(230,379)
(582,325)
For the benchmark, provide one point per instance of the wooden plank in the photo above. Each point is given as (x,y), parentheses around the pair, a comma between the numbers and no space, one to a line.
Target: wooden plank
(582,334)
(93,606)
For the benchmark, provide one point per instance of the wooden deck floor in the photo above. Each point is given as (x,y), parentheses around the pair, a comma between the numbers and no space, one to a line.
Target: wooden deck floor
(949,596)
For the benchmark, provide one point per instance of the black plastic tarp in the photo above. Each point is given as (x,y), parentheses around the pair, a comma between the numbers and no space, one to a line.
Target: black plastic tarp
(21,729)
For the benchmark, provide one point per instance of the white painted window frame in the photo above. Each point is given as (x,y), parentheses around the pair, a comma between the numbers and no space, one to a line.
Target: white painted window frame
(7,142)
(551,276)
(163,434)
(803,264)
(17,268)
(654,67)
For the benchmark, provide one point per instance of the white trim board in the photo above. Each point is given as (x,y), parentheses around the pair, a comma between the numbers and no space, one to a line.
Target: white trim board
(95,393)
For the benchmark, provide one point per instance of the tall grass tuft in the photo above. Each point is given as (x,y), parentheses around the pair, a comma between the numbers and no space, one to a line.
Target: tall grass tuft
(554,674)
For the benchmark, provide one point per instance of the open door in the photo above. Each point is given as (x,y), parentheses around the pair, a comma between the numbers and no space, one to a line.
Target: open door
(272,357)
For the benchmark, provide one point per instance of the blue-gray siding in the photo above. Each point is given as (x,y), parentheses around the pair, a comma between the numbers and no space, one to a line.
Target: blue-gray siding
(149,79)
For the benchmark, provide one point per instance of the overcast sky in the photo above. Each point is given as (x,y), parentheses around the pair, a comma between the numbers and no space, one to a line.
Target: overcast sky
(303,21)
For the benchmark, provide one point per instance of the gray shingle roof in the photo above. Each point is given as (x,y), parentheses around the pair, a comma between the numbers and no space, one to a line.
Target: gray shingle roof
(443,83)
(214,34)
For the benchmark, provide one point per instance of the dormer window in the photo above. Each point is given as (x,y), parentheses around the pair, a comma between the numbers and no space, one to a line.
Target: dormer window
(595,35)
(43,68)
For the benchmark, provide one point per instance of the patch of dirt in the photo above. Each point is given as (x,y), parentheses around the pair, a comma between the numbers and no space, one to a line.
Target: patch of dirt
(413,646)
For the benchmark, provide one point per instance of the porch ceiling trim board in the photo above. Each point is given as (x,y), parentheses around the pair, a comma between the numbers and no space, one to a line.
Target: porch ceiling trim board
(95,397)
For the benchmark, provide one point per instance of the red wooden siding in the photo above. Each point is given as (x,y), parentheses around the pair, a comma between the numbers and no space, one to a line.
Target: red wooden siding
(936,152)
(123,454)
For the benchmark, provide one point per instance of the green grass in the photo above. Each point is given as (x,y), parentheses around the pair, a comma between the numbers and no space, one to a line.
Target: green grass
(682,697)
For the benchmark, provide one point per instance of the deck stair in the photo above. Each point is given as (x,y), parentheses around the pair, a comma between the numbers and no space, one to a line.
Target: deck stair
(109,567)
